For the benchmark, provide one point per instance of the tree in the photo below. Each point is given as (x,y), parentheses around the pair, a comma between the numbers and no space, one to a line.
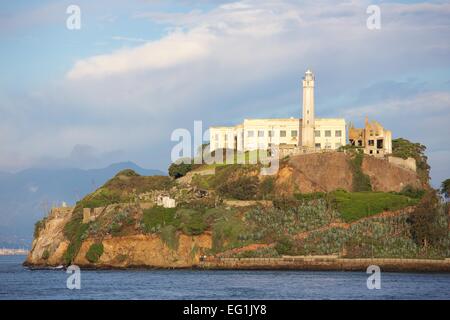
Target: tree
(178,170)
(403,148)
(445,188)
(425,221)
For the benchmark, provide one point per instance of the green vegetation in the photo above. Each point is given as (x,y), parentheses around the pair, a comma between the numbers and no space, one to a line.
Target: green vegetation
(242,188)
(128,182)
(266,188)
(180,169)
(75,231)
(428,221)
(445,188)
(412,192)
(361,181)
(119,221)
(356,205)
(170,237)
(305,197)
(285,246)
(102,197)
(190,221)
(45,254)
(95,252)
(38,227)
(227,233)
(266,252)
(404,149)
(275,223)
(157,217)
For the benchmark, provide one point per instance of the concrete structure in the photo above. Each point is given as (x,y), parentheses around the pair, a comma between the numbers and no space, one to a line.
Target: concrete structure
(91,214)
(299,135)
(166,202)
(375,140)
(409,163)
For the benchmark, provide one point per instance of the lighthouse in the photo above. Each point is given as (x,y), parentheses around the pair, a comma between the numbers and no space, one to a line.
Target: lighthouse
(308,122)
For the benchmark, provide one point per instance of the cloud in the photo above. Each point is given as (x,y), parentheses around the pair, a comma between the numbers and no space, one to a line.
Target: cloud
(237,60)
(173,50)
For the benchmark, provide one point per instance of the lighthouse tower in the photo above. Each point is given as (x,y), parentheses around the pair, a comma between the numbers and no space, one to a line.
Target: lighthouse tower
(308,111)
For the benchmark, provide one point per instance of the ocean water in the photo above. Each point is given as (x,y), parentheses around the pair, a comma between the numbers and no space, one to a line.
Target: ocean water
(17,282)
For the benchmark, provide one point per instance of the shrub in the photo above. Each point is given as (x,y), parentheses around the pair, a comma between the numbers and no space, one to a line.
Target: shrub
(227,232)
(266,187)
(310,196)
(445,188)
(361,181)
(284,246)
(45,254)
(242,188)
(38,226)
(428,221)
(75,231)
(404,149)
(192,222)
(95,252)
(412,192)
(178,170)
(155,218)
(169,237)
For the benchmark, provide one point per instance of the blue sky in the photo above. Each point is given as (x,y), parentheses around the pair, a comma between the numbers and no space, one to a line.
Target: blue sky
(136,70)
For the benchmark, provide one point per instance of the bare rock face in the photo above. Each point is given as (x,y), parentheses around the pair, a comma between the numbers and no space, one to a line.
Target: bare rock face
(135,250)
(50,245)
(317,172)
(385,176)
(147,250)
(324,172)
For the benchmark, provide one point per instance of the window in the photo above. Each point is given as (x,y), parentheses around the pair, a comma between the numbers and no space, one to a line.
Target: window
(318,146)
(294,133)
(250,134)
(283,133)
(317,133)
(338,133)
(271,133)
(371,142)
(379,144)
(327,133)
(260,133)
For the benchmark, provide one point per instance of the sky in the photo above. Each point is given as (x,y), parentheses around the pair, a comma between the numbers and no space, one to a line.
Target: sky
(115,89)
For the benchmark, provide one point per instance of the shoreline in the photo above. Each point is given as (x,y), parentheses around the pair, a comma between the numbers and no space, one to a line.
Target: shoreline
(285,264)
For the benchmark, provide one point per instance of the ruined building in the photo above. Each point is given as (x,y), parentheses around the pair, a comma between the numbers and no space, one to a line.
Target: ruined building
(375,139)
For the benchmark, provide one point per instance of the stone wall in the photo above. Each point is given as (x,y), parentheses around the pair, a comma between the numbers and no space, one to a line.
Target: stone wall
(409,163)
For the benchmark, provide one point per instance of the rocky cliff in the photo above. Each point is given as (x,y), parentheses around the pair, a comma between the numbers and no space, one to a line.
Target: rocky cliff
(136,250)
(128,229)
(324,172)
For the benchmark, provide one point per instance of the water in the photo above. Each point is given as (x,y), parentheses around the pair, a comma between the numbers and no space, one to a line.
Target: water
(17,282)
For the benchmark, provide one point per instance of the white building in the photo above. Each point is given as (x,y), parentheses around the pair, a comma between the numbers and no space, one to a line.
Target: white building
(308,133)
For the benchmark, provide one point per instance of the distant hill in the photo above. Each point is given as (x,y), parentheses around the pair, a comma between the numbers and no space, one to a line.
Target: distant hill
(25,196)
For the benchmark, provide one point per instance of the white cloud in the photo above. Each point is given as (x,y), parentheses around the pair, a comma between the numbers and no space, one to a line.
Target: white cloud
(168,52)
(238,60)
